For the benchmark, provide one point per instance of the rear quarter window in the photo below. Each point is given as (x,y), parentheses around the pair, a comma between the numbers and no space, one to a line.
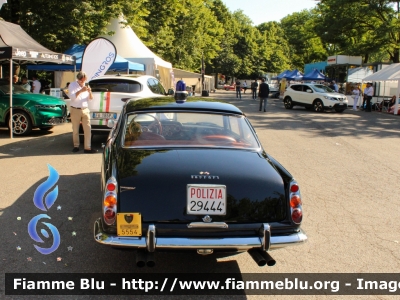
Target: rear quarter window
(296,87)
(116,86)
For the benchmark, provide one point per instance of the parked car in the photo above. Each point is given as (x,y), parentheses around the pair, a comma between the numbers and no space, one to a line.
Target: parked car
(193,176)
(110,92)
(314,96)
(30,110)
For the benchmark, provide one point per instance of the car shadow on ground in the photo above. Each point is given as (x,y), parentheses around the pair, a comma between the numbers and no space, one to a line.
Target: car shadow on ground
(330,123)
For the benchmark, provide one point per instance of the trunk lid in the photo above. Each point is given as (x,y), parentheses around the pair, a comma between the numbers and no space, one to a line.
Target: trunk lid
(255,190)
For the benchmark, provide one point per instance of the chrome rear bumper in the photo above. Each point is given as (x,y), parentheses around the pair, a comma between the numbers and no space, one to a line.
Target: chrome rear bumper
(151,242)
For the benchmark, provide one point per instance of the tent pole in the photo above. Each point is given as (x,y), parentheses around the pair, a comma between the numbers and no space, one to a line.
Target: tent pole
(10,123)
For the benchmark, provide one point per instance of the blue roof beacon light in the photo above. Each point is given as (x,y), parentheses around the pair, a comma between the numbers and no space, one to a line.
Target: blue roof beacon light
(180,94)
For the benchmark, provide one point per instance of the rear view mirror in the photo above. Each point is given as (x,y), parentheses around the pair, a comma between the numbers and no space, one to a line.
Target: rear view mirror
(171,92)
(309,91)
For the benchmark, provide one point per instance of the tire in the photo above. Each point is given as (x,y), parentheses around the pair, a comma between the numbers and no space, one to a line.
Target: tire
(22,124)
(287,102)
(318,106)
(339,110)
(46,128)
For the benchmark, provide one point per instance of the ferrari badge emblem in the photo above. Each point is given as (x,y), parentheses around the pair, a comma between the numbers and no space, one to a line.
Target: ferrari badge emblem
(128,218)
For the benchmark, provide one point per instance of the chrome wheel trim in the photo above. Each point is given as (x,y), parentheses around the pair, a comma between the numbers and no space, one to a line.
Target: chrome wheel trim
(20,123)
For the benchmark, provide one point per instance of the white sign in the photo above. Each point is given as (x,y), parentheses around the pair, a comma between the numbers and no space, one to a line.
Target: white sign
(98,57)
(344,59)
(34,54)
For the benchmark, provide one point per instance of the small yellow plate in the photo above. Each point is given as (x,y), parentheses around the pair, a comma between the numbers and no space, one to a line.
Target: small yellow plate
(129,224)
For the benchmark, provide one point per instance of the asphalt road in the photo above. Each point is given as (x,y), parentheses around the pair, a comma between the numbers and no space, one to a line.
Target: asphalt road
(347,166)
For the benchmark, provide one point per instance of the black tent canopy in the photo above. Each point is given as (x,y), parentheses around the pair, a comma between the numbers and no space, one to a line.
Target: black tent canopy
(18,46)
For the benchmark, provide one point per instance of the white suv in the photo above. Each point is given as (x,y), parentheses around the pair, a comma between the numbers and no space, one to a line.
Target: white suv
(315,96)
(110,92)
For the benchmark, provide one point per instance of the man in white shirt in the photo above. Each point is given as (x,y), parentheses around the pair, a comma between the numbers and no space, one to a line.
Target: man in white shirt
(368,93)
(36,85)
(80,94)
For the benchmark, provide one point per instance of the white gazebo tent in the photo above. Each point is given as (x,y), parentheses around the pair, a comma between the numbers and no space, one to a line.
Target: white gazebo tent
(389,73)
(130,47)
(194,79)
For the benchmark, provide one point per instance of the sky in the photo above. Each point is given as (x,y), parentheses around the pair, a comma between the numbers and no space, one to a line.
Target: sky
(260,11)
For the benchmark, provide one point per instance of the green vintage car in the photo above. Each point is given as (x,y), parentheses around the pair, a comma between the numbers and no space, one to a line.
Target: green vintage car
(30,110)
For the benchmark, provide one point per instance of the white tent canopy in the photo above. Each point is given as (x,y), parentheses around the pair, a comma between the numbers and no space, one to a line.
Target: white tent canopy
(389,73)
(194,79)
(130,47)
(358,74)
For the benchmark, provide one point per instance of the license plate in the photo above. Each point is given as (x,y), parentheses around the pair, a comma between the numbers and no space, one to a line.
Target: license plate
(97,115)
(206,199)
(129,224)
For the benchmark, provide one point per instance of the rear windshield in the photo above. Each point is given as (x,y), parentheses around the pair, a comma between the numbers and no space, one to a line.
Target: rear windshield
(115,86)
(188,129)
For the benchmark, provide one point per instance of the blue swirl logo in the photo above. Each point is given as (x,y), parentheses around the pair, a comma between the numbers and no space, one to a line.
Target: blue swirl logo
(45,202)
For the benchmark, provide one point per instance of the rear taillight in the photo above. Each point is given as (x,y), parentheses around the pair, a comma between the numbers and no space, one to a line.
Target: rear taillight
(110,201)
(296,210)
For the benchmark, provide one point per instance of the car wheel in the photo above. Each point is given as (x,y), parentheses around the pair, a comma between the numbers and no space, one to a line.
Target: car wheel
(46,128)
(21,122)
(287,102)
(318,106)
(339,110)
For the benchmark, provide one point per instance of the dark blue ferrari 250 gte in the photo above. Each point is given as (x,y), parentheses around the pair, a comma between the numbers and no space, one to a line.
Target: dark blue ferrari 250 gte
(192,175)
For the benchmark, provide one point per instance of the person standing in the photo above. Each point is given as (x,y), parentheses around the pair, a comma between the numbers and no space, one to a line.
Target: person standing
(80,94)
(263,93)
(36,85)
(254,87)
(335,86)
(356,94)
(15,79)
(368,93)
(25,84)
(238,89)
(244,87)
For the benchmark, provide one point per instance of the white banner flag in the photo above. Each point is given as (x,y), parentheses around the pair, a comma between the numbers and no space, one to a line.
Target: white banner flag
(97,58)
(2,2)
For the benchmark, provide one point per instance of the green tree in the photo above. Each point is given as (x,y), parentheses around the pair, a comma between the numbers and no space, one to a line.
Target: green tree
(277,59)
(305,45)
(226,61)
(59,24)
(360,27)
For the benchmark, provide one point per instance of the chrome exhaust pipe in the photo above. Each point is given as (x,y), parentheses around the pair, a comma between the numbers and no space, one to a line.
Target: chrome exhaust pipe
(150,262)
(258,258)
(268,258)
(140,258)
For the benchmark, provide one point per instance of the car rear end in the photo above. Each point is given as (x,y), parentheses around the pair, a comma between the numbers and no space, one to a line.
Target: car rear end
(164,195)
